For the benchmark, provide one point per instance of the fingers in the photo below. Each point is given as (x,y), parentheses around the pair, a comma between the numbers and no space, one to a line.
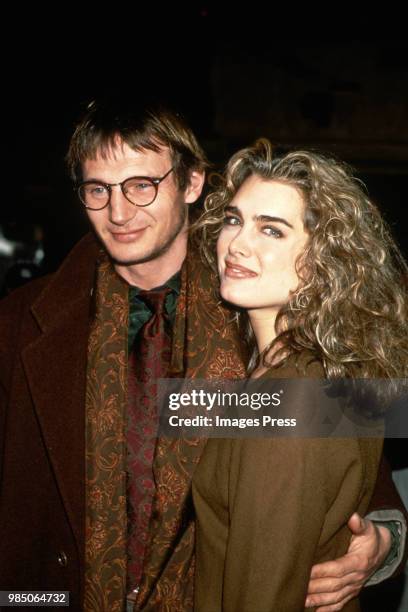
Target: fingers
(357,524)
(329,602)
(334,569)
(335,607)
(334,585)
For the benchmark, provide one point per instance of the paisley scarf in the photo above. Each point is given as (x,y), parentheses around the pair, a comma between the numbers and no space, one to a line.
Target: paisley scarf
(205,345)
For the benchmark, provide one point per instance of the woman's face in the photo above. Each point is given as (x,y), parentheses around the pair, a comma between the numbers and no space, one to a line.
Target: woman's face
(262,236)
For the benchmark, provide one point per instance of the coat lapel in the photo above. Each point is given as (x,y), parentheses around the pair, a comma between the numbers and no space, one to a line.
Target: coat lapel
(55,367)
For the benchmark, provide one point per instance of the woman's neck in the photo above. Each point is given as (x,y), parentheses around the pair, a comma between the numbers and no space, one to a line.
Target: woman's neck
(263,326)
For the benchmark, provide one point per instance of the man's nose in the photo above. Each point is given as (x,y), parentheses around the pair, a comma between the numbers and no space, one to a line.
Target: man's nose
(121,211)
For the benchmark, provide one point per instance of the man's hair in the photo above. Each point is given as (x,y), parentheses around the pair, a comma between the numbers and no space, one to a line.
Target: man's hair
(106,123)
(350,308)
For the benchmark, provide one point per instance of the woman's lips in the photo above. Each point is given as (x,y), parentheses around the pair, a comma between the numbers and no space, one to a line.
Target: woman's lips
(233,270)
(128,236)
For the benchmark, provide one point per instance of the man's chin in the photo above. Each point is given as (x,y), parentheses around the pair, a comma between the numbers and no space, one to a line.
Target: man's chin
(135,258)
(131,259)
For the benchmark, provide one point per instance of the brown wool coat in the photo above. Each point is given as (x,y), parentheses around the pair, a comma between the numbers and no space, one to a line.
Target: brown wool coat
(44,331)
(43,352)
(267,509)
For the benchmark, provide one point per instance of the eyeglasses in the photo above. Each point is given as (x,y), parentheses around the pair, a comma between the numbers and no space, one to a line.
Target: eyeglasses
(138,190)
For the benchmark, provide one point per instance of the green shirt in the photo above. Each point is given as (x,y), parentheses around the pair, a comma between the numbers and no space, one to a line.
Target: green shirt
(140,313)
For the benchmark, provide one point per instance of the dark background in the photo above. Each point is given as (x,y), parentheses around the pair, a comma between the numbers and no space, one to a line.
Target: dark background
(321,78)
(235,73)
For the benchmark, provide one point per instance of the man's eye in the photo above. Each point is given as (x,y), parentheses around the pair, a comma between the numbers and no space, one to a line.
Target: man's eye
(138,186)
(97,191)
(272,231)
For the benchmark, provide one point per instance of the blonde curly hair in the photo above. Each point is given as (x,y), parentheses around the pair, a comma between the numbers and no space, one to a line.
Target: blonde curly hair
(350,308)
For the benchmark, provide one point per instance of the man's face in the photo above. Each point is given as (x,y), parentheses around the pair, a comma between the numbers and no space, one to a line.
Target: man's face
(130,234)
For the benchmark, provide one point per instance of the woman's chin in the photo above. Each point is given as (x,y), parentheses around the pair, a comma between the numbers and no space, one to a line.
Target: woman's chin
(235,298)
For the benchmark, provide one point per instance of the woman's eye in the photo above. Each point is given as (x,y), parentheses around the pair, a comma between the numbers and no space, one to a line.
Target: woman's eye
(230,220)
(272,231)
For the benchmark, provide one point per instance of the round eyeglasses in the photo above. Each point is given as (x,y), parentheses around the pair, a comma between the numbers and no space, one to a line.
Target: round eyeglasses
(138,190)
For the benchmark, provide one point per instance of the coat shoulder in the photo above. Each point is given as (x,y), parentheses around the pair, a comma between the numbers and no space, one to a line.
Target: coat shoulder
(305,364)
(43,300)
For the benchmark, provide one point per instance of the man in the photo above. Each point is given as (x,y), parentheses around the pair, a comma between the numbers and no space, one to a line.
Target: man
(69,395)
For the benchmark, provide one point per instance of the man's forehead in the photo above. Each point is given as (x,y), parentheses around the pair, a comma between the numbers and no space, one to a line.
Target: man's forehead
(118,149)
(119,155)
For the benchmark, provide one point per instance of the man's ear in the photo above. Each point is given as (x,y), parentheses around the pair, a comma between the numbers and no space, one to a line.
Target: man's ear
(194,187)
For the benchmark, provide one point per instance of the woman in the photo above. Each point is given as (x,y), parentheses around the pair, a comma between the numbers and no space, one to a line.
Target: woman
(318,282)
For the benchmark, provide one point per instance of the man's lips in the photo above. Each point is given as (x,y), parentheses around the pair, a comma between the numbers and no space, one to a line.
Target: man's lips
(233,270)
(128,236)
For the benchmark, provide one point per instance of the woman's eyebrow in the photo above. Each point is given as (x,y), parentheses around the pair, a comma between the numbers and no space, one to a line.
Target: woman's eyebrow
(268,219)
(233,209)
(261,218)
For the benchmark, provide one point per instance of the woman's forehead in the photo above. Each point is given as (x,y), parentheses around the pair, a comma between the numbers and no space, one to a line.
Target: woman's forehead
(258,196)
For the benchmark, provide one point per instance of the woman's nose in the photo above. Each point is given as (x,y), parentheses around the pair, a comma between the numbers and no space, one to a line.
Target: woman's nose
(240,244)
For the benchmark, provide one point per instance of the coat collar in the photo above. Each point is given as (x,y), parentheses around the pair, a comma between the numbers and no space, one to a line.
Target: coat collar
(72,282)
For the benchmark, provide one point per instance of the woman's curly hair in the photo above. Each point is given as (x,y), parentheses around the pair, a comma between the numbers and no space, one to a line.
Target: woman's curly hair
(351,305)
